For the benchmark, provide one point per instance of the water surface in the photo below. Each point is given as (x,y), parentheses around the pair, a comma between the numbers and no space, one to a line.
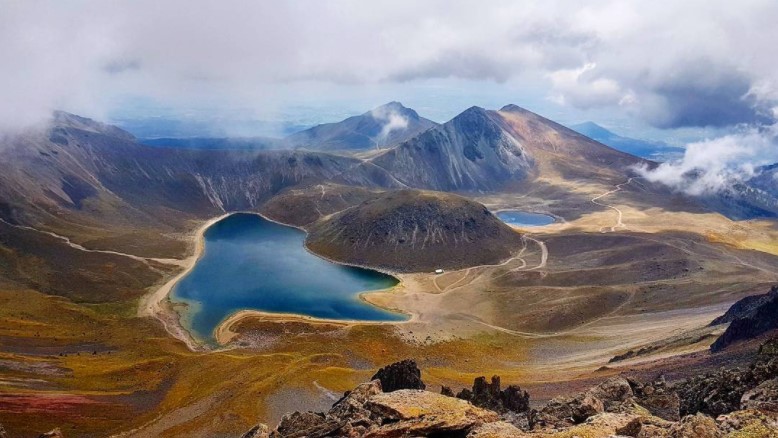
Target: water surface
(524,219)
(252,263)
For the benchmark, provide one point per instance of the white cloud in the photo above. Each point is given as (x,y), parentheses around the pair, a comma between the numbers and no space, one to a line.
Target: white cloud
(392,121)
(712,166)
(85,56)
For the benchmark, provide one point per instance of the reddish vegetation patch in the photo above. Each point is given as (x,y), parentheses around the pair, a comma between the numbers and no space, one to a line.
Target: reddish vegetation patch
(48,403)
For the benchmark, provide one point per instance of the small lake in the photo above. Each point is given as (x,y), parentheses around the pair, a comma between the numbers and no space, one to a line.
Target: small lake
(523,219)
(252,263)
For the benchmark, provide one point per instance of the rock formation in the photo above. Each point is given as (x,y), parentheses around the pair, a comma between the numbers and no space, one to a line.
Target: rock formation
(748,318)
(616,407)
(490,396)
(400,375)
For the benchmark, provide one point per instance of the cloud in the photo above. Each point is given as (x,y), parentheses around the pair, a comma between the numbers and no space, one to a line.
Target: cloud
(713,166)
(392,121)
(692,63)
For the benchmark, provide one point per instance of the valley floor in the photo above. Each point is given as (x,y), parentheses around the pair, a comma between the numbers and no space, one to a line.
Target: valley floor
(609,277)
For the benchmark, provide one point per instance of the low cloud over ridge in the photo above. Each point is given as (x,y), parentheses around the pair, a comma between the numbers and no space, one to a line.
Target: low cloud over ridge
(671,64)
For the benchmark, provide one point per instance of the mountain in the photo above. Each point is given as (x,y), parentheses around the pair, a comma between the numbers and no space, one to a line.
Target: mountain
(384,126)
(415,231)
(80,171)
(653,150)
(482,150)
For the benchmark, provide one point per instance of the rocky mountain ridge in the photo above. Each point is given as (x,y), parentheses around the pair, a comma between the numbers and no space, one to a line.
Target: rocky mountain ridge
(618,406)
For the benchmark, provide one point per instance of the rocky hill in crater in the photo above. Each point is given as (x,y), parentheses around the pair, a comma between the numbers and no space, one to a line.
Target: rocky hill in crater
(412,231)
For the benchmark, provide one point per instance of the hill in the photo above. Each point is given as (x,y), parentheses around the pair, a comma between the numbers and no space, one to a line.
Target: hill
(384,126)
(413,231)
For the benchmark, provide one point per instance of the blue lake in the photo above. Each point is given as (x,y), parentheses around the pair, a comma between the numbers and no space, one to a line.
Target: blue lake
(252,263)
(524,219)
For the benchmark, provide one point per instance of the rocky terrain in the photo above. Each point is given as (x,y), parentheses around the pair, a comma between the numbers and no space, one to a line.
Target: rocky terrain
(94,222)
(412,231)
(733,403)
(748,318)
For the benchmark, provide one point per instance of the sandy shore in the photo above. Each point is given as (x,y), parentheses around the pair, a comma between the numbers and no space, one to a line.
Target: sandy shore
(157,303)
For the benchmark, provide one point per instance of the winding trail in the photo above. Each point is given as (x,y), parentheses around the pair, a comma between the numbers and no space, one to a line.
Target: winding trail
(619,217)
(79,247)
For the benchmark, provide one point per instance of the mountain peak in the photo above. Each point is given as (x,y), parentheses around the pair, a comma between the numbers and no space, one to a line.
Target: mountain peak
(394,107)
(514,109)
(63,119)
(592,129)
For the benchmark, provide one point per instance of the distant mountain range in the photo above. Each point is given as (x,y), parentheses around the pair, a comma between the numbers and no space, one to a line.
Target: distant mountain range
(96,172)
(652,150)
(378,128)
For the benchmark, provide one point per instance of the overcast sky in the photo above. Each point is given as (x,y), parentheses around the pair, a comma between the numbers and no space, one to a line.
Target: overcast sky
(642,66)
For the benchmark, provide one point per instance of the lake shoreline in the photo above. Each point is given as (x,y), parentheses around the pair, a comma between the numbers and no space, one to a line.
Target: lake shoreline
(158,304)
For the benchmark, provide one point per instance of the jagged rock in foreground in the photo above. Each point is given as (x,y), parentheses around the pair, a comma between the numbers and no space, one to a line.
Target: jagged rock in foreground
(616,407)
(490,396)
(400,375)
(722,392)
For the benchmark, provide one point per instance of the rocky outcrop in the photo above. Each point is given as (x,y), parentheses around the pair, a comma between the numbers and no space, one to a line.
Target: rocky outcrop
(748,318)
(490,396)
(763,398)
(616,407)
(657,398)
(721,392)
(400,375)
(410,412)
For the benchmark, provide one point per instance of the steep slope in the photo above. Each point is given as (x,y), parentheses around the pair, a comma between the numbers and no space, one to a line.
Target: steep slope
(748,318)
(484,151)
(413,231)
(78,171)
(561,153)
(471,152)
(384,126)
(652,150)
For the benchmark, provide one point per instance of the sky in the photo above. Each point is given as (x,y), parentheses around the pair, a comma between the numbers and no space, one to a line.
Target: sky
(683,72)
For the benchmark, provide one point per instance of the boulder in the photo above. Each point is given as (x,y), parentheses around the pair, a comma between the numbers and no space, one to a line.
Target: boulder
(764,397)
(258,431)
(419,413)
(747,422)
(695,426)
(562,412)
(657,398)
(612,392)
(352,405)
(499,429)
(400,375)
(304,425)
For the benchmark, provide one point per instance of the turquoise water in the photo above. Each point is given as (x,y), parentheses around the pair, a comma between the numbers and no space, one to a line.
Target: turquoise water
(524,219)
(252,263)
